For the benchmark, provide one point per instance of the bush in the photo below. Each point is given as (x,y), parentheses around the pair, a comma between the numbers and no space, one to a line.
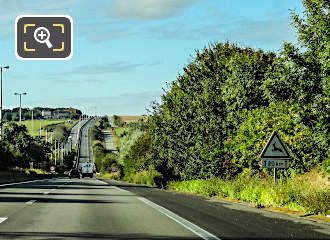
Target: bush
(248,141)
(149,177)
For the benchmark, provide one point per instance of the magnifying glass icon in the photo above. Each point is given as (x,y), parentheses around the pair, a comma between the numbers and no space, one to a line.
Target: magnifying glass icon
(42,35)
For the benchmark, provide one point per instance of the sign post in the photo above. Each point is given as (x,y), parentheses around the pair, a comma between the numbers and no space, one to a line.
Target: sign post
(275,154)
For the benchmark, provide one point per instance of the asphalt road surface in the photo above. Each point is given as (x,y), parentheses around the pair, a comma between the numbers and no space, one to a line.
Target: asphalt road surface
(109,145)
(85,147)
(81,209)
(74,135)
(95,209)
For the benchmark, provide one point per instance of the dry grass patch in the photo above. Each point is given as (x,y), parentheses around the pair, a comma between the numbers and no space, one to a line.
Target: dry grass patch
(129,119)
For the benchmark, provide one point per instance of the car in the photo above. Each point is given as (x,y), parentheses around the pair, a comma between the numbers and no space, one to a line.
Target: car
(74,173)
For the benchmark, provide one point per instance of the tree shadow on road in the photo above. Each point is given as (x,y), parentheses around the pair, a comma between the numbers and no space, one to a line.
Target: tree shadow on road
(88,235)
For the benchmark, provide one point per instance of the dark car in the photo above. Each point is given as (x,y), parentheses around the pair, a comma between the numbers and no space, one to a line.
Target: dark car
(74,173)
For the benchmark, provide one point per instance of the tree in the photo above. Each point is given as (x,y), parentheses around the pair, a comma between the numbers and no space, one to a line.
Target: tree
(204,106)
(301,75)
(7,116)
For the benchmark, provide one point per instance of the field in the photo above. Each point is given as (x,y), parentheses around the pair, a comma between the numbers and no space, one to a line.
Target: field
(129,119)
(37,124)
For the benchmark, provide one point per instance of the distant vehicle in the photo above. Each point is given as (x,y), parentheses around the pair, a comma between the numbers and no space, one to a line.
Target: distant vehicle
(74,173)
(87,169)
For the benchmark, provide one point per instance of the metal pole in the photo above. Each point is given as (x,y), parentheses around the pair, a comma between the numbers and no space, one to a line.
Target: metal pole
(32,123)
(20,108)
(62,149)
(274,176)
(55,152)
(0,102)
(7,67)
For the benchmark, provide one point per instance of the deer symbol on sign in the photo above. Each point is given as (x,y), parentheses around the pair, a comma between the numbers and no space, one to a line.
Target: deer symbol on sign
(276,148)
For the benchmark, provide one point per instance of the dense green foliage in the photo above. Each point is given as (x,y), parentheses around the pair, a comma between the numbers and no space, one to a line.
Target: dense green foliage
(117,121)
(229,99)
(13,115)
(215,119)
(104,161)
(18,148)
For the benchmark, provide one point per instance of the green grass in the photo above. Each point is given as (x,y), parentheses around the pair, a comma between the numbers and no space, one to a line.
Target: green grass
(45,123)
(308,192)
(119,131)
(38,123)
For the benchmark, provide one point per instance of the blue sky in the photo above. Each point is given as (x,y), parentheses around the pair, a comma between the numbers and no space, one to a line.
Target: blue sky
(126,50)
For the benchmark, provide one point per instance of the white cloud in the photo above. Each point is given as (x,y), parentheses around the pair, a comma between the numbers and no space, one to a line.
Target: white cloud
(134,103)
(10,9)
(146,9)
(110,67)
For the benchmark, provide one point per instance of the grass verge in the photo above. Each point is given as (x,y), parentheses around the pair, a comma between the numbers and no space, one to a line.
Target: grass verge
(308,192)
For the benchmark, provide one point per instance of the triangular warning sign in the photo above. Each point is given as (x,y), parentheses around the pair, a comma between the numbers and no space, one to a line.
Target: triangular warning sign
(275,148)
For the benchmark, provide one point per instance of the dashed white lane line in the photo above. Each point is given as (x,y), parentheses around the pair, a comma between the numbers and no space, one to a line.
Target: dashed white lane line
(119,189)
(45,193)
(31,202)
(189,225)
(2,219)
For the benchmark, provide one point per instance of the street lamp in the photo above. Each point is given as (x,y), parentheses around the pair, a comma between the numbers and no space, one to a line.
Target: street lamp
(6,67)
(20,105)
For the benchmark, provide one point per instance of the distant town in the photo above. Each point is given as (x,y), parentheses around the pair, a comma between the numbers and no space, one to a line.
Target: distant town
(41,113)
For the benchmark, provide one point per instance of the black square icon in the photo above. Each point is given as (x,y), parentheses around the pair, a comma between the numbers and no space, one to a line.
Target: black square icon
(42,37)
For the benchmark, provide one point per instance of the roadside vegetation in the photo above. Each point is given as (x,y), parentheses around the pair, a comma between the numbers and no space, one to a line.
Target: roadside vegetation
(58,129)
(207,133)
(33,155)
(104,160)
(13,114)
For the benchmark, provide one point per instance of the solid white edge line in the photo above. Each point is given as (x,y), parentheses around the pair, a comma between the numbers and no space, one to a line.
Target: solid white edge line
(2,219)
(115,187)
(189,225)
(31,202)
(119,189)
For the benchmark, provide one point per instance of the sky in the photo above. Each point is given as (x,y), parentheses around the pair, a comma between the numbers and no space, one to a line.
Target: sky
(124,51)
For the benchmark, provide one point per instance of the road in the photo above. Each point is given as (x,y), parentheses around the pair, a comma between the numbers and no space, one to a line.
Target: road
(74,135)
(108,139)
(85,147)
(81,209)
(94,209)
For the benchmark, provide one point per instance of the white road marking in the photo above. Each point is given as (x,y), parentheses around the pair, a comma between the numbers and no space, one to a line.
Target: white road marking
(31,202)
(104,183)
(189,225)
(2,219)
(45,193)
(10,184)
(53,189)
(119,189)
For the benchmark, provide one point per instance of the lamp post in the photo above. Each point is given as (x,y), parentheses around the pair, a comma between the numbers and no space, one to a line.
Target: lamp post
(20,105)
(6,67)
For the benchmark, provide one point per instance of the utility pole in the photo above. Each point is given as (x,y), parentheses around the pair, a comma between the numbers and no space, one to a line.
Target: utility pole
(20,105)
(32,123)
(51,144)
(55,152)
(40,128)
(62,149)
(6,67)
